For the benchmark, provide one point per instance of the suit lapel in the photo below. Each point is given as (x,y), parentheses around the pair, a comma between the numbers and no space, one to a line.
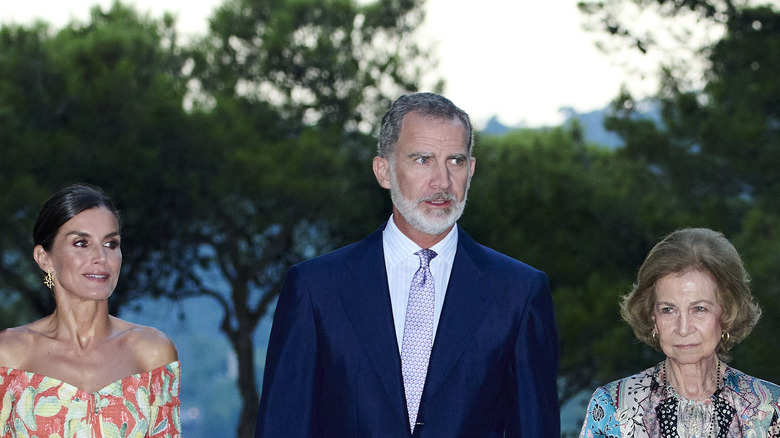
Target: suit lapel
(367,305)
(465,306)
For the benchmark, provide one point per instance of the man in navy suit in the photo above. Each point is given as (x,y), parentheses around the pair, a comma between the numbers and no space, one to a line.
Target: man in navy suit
(416,330)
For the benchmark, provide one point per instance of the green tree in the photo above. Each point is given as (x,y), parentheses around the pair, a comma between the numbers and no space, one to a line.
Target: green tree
(25,104)
(330,63)
(719,135)
(587,217)
(671,35)
(735,119)
(759,245)
(270,163)
(98,102)
(719,140)
(287,91)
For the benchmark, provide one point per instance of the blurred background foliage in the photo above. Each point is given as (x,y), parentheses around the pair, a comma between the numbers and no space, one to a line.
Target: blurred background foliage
(237,155)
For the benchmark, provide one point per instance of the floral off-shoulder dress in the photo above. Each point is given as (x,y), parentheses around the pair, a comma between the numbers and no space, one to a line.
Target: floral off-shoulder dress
(138,406)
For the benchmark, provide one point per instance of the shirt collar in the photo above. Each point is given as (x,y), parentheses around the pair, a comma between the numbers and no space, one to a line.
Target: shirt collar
(401,246)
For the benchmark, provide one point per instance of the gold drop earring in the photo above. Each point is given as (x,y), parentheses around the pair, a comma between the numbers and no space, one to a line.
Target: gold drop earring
(48,280)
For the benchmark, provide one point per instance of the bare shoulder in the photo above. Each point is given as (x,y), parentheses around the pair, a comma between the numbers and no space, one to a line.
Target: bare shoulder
(15,345)
(151,347)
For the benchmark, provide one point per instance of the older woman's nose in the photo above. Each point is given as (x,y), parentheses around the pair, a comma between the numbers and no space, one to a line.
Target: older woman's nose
(684,325)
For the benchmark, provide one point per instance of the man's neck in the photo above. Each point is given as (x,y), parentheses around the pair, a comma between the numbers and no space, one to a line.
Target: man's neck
(424,240)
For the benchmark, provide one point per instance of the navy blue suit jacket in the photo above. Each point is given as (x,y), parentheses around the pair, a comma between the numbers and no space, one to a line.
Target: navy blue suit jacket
(334,370)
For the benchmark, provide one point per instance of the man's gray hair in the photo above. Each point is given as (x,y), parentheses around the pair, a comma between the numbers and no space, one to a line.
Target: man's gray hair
(425,104)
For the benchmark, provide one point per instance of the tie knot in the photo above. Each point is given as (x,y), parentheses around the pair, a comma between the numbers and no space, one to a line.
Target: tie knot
(426,255)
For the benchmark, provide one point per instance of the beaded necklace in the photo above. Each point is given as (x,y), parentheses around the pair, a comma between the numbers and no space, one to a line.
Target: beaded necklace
(695,419)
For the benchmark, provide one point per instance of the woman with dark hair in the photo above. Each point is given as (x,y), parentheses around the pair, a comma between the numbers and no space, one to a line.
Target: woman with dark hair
(80,371)
(691,301)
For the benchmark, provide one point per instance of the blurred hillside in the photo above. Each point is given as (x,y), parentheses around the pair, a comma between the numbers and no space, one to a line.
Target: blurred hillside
(592,123)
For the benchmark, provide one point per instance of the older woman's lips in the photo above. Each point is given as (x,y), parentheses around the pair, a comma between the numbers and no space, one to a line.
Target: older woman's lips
(686,346)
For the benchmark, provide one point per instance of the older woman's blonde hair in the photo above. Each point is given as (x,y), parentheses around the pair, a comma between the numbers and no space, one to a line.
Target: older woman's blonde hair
(699,249)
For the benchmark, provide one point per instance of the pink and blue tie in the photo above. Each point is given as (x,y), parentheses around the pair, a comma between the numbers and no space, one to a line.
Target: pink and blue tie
(418,334)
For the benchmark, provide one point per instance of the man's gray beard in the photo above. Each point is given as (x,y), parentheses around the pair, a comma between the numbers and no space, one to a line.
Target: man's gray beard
(413,211)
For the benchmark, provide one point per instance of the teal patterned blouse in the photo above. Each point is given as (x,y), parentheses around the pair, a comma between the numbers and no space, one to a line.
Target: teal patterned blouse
(639,407)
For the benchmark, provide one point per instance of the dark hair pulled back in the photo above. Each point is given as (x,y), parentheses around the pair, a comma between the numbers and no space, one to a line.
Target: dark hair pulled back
(63,206)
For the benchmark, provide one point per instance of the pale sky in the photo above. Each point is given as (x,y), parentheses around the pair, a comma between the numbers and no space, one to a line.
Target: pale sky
(520,60)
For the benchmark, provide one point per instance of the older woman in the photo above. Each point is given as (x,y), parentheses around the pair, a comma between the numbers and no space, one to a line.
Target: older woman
(692,302)
(80,371)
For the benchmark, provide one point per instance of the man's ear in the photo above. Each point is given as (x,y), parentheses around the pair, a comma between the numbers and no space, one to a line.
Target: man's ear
(42,258)
(382,171)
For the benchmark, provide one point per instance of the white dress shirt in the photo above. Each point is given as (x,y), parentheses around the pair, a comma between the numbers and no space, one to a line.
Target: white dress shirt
(401,264)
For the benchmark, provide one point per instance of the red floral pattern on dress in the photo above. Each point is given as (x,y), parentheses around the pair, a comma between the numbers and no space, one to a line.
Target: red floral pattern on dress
(144,405)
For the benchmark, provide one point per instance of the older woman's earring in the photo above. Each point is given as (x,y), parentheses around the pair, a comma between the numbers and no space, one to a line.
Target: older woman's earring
(48,280)
(725,336)
(655,336)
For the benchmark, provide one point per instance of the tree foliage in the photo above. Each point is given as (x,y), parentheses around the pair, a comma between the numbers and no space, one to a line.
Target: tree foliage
(249,150)
(671,36)
(327,62)
(584,215)
(97,103)
(717,144)
(230,159)
(288,89)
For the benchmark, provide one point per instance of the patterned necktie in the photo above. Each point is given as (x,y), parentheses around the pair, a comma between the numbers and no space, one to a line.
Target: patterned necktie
(418,334)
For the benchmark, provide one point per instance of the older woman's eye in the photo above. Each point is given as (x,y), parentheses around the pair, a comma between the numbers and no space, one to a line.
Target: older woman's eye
(80,243)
